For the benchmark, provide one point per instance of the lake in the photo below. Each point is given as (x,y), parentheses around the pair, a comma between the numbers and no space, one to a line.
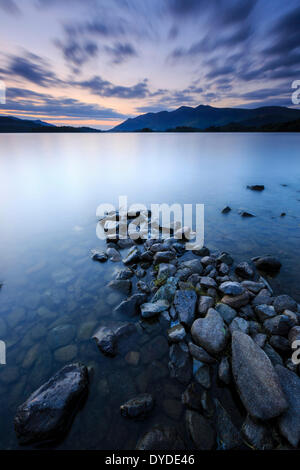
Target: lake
(50,187)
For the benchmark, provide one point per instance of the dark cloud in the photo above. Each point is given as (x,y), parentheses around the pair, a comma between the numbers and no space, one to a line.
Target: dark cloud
(77,54)
(10,6)
(32,68)
(100,87)
(120,52)
(30,102)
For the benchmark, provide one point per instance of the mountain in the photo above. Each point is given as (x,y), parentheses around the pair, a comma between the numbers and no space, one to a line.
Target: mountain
(12,124)
(204,117)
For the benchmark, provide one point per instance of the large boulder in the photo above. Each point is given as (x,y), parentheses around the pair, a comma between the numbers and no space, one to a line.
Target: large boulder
(256,379)
(210,332)
(48,413)
(289,421)
(185,306)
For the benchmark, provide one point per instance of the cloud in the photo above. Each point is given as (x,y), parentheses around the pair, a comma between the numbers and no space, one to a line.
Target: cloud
(32,68)
(77,54)
(120,52)
(10,6)
(100,87)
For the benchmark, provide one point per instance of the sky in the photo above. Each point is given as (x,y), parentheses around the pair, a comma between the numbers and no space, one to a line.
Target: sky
(97,62)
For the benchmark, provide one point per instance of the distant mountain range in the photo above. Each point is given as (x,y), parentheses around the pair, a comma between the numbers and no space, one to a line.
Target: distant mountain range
(210,119)
(184,119)
(12,124)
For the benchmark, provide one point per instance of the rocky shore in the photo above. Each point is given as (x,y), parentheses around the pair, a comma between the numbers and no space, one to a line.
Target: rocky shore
(227,333)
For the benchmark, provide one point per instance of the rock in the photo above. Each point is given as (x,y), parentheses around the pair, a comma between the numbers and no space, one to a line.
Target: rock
(161,438)
(166,270)
(9,374)
(200,430)
(279,325)
(289,421)
(262,300)
(113,254)
(210,332)
(236,301)
(194,266)
(48,413)
(121,285)
(229,436)
(185,305)
(231,288)
(252,286)
(163,257)
(204,251)
(106,340)
(124,274)
(247,313)
(223,269)
(257,382)
(254,327)
(207,282)
(172,408)
(225,258)
(131,305)
(132,257)
(167,291)
(125,243)
(191,397)
(245,213)
(226,210)
(98,255)
(207,404)
(269,264)
(132,358)
(202,374)
(244,270)
(272,355)
(257,434)
(205,303)
(154,349)
(224,371)
(294,334)
(264,312)
(227,313)
(180,363)
(200,354)
(66,354)
(256,187)
(61,335)
(151,309)
(239,324)
(260,339)
(284,302)
(280,343)
(176,334)
(137,407)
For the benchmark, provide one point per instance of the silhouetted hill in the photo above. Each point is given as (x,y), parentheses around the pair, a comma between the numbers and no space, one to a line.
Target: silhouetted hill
(203,117)
(12,124)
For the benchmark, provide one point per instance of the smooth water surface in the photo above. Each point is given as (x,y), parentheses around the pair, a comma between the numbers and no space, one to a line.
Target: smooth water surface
(50,187)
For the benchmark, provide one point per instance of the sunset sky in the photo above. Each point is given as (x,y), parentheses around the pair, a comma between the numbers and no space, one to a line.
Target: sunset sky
(98,62)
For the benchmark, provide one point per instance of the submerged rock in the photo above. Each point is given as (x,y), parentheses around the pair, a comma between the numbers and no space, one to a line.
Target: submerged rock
(100,256)
(48,413)
(200,430)
(137,407)
(256,187)
(161,438)
(244,270)
(191,397)
(256,379)
(122,285)
(180,363)
(226,210)
(267,263)
(106,340)
(131,305)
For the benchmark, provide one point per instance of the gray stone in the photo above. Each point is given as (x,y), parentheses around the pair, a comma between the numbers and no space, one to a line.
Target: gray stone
(280,343)
(163,257)
(132,257)
(231,288)
(191,397)
(151,309)
(61,335)
(244,270)
(223,269)
(256,379)
(257,434)
(66,353)
(239,324)
(262,300)
(260,339)
(137,407)
(167,291)
(227,313)
(202,374)
(194,266)
(236,301)
(98,255)
(166,270)
(294,334)
(131,306)
(267,263)
(106,340)
(210,332)
(272,355)
(123,286)
(289,422)
(124,274)
(200,430)
(205,303)
(176,334)
(264,312)
(200,354)
(113,254)
(207,282)
(252,286)
(185,305)
(247,312)
(224,371)
(284,302)
(47,414)
(279,325)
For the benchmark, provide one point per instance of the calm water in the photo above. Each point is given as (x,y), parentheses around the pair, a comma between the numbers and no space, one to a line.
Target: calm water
(50,187)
